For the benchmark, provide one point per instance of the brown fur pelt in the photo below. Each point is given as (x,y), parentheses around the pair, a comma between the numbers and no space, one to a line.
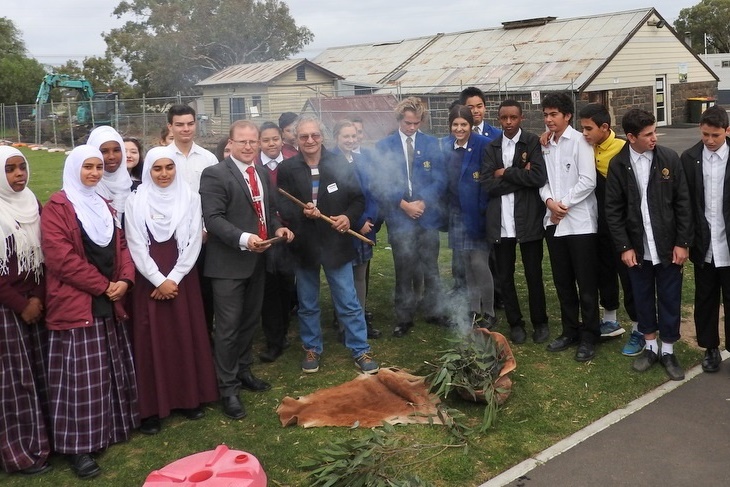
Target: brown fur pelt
(391,395)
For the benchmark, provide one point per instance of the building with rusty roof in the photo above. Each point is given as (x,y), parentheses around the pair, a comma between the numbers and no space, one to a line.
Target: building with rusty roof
(622,59)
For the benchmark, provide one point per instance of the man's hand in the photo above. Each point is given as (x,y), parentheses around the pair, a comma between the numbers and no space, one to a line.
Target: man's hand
(33,311)
(311,211)
(558,209)
(341,223)
(285,232)
(254,244)
(367,227)
(628,257)
(498,173)
(545,138)
(679,255)
(413,209)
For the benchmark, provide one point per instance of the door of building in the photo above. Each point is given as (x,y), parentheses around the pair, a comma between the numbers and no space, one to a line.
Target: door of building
(661,100)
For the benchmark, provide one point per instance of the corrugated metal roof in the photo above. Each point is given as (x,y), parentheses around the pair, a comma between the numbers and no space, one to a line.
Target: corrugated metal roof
(562,54)
(258,72)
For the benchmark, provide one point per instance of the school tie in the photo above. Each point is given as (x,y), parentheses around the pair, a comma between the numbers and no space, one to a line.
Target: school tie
(256,197)
(475,129)
(409,150)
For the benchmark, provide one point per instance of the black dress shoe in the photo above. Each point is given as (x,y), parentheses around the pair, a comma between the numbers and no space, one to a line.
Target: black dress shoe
(711,362)
(233,408)
(271,354)
(37,469)
(517,334)
(644,361)
(670,364)
(561,343)
(586,351)
(84,466)
(373,332)
(401,329)
(541,334)
(150,426)
(253,383)
(193,413)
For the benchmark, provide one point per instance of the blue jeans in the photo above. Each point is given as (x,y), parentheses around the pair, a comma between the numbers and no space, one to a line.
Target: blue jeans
(347,306)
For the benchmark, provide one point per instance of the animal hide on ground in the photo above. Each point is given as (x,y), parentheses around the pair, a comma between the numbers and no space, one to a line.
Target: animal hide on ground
(391,395)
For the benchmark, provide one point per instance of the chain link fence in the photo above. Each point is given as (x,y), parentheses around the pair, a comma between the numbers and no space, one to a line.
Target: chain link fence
(67,123)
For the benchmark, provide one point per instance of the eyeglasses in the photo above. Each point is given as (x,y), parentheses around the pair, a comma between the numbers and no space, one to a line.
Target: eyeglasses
(306,137)
(251,143)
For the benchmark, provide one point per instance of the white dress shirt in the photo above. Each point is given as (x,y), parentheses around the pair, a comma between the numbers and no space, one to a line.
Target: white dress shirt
(641,164)
(403,138)
(713,177)
(571,180)
(243,240)
(270,163)
(508,200)
(191,167)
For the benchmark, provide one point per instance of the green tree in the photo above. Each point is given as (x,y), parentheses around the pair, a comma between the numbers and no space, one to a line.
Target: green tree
(102,73)
(173,44)
(19,74)
(710,17)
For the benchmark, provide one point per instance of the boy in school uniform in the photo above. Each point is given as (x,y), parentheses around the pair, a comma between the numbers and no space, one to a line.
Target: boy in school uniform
(705,167)
(650,218)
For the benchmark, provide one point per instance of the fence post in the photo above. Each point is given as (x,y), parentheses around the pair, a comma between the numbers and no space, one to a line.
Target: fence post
(144,117)
(71,125)
(17,120)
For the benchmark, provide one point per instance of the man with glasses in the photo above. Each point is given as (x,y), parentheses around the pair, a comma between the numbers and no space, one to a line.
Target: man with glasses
(238,209)
(413,185)
(327,184)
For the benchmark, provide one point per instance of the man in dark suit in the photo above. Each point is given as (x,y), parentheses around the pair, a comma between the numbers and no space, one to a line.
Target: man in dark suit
(238,209)
(328,185)
(705,165)
(410,197)
(513,173)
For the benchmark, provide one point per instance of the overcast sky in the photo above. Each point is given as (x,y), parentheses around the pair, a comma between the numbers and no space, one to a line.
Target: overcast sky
(57,30)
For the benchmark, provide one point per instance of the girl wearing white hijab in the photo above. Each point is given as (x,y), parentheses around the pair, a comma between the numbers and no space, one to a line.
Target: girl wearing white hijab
(171,345)
(91,382)
(116,183)
(24,445)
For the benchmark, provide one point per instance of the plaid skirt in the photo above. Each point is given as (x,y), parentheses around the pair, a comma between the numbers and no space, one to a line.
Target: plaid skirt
(92,387)
(23,437)
(459,239)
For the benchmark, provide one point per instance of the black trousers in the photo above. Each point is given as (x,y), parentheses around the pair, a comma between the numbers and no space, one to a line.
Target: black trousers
(610,268)
(237,313)
(532,253)
(710,283)
(415,258)
(573,262)
(276,308)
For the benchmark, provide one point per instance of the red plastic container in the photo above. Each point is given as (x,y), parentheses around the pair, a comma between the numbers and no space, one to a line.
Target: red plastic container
(213,468)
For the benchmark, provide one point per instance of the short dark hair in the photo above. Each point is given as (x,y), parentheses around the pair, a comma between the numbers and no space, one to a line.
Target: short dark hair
(715,116)
(596,112)
(470,92)
(220,149)
(455,103)
(561,101)
(269,126)
(636,120)
(177,110)
(461,111)
(356,120)
(509,102)
(286,119)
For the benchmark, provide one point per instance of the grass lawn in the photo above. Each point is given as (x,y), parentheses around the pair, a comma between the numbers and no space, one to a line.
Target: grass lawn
(553,396)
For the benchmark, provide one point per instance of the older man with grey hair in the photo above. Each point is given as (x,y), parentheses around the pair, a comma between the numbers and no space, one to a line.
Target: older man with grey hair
(326,182)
